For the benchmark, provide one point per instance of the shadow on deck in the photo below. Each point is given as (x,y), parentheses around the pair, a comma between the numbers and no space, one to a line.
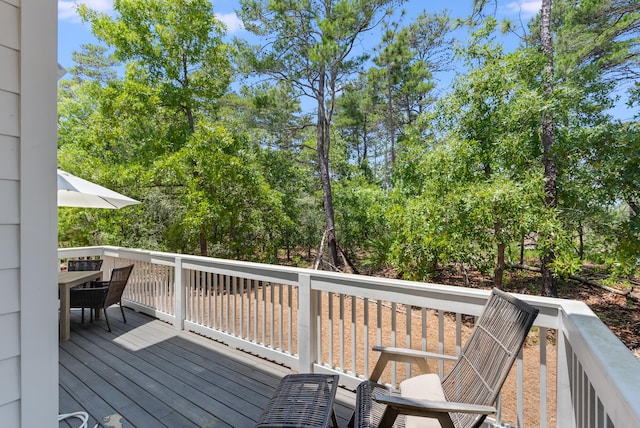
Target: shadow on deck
(147,374)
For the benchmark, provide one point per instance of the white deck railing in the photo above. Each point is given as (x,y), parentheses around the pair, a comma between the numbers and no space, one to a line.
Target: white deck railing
(573,372)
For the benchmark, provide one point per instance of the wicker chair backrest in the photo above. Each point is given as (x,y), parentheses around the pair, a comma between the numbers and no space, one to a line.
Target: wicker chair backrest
(489,354)
(118,282)
(84,265)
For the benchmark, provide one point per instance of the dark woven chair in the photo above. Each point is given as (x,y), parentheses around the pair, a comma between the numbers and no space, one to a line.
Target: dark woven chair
(84,265)
(466,395)
(102,294)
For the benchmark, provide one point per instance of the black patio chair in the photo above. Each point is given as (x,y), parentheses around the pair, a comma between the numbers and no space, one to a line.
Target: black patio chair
(102,294)
(84,265)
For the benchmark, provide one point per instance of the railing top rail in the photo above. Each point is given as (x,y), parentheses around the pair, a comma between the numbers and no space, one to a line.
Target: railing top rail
(607,362)
(436,296)
(66,253)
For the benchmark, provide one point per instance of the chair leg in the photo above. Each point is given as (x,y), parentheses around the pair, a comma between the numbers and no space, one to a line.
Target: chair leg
(388,417)
(106,318)
(82,315)
(122,310)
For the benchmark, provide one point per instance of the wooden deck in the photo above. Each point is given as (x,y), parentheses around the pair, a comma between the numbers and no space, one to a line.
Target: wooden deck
(147,374)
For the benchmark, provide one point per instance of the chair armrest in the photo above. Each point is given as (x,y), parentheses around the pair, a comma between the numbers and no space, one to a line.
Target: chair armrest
(411,353)
(417,407)
(404,355)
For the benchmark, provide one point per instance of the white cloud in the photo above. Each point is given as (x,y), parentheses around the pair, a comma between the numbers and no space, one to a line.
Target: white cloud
(526,7)
(231,20)
(67,11)
(67,8)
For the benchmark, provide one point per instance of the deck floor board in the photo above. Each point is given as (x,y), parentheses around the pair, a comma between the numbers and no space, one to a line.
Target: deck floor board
(136,380)
(145,373)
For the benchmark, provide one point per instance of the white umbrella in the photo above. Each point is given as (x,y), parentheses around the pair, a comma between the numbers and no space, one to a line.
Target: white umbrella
(76,192)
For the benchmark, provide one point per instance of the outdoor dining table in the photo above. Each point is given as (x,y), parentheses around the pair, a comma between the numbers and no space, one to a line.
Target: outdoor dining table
(67,280)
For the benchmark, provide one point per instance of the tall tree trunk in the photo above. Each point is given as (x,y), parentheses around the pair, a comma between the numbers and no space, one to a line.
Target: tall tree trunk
(185,84)
(365,140)
(549,286)
(499,271)
(324,142)
(633,206)
(581,241)
(392,127)
(202,237)
(203,244)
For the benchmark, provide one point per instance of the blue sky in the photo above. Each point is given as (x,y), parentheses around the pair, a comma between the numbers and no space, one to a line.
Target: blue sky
(72,33)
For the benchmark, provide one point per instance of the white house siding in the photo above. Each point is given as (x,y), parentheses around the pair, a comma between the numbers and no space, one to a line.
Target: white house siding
(9,218)
(28,216)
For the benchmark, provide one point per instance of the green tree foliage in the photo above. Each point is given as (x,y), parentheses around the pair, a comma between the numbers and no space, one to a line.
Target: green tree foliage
(416,182)
(374,111)
(584,44)
(271,118)
(225,193)
(173,46)
(610,174)
(310,45)
(596,52)
(357,122)
(156,129)
(477,186)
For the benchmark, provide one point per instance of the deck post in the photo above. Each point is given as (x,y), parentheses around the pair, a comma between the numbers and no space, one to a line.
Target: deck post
(108,265)
(307,324)
(180,295)
(565,400)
